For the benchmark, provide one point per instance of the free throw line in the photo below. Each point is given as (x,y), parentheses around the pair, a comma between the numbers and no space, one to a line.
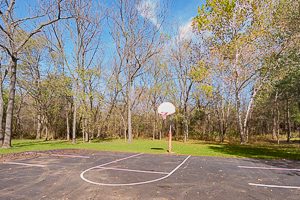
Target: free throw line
(269,168)
(24,164)
(129,184)
(114,161)
(274,186)
(99,166)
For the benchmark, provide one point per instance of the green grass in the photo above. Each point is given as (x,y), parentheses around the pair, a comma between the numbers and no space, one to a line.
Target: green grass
(196,148)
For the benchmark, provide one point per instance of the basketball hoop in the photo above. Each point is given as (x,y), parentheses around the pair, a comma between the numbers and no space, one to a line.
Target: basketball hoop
(164,110)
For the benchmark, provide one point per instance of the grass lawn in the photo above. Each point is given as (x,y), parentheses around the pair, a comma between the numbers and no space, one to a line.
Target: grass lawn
(195,148)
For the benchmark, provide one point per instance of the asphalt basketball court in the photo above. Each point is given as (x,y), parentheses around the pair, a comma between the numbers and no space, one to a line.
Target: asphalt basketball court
(108,175)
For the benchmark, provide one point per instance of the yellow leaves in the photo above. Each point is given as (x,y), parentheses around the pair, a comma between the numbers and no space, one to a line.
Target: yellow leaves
(224,8)
(157,88)
(86,73)
(201,21)
(58,85)
(199,72)
(207,89)
(54,55)
(37,42)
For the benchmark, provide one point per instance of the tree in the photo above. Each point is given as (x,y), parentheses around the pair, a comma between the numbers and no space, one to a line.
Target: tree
(181,62)
(282,90)
(30,75)
(3,73)
(137,40)
(83,62)
(156,80)
(241,33)
(13,41)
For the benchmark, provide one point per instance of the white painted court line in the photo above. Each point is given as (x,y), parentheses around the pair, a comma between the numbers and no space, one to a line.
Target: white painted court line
(133,170)
(114,161)
(275,186)
(24,164)
(70,156)
(129,184)
(99,166)
(269,168)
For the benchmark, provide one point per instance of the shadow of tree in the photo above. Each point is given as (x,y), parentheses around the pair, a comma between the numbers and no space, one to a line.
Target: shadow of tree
(293,165)
(35,143)
(250,151)
(157,148)
(288,158)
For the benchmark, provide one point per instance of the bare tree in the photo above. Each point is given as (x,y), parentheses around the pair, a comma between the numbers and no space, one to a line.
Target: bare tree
(136,33)
(181,63)
(3,73)
(14,41)
(83,63)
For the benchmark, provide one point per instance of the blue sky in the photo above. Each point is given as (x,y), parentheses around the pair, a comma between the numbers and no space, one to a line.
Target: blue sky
(180,13)
(183,10)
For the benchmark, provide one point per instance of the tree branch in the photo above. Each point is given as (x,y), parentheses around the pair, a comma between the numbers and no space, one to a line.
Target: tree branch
(16,23)
(6,33)
(9,9)
(6,49)
(37,30)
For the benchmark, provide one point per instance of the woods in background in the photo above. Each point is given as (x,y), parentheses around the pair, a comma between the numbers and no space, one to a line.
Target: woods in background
(78,69)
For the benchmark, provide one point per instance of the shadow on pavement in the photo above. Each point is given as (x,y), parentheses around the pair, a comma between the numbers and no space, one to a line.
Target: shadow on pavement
(258,152)
(265,156)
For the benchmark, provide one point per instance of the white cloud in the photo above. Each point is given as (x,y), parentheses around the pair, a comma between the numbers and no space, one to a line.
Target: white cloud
(148,9)
(186,31)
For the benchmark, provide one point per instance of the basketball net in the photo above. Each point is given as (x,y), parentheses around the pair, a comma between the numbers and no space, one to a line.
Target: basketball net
(164,115)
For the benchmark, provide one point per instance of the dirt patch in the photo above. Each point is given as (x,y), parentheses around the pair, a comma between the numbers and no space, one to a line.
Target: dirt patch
(35,154)
(69,151)
(16,156)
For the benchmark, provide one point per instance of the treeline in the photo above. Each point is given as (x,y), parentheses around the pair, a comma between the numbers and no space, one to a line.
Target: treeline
(78,69)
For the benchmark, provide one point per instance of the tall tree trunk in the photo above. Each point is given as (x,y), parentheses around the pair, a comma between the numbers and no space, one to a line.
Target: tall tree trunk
(239,119)
(1,114)
(288,120)
(204,127)
(98,131)
(186,129)
(39,126)
(248,114)
(87,138)
(222,130)
(74,123)
(274,128)
(45,123)
(90,130)
(10,104)
(1,105)
(46,128)
(275,111)
(185,123)
(129,124)
(68,125)
(154,127)
(83,129)
(278,123)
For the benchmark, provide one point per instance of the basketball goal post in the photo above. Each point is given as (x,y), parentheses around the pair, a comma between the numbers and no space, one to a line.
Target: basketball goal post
(165,109)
